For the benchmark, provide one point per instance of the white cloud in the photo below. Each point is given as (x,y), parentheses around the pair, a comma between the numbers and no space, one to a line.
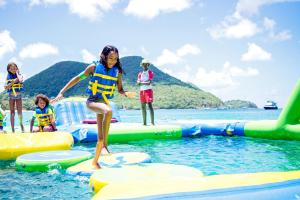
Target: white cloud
(169,57)
(238,25)
(269,23)
(7,43)
(222,79)
(234,28)
(255,52)
(38,50)
(188,49)
(89,9)
(238,71)
(87,56)
(270,26)
(252,6)
(149,9)
(281,36)
(212,80)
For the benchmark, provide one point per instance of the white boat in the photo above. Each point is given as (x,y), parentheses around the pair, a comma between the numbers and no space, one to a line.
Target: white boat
(271,105)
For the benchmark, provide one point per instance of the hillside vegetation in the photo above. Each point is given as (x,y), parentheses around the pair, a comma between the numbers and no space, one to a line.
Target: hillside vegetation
(169,92)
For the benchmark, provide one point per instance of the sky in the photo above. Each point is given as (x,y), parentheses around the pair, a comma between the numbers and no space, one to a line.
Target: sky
(235,49)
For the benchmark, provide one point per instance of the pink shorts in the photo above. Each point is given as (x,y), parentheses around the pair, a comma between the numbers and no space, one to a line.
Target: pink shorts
(146,96)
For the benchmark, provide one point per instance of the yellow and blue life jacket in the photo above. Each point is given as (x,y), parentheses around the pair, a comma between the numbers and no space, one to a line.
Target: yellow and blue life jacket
(16,87)
(43,116)
(103,82)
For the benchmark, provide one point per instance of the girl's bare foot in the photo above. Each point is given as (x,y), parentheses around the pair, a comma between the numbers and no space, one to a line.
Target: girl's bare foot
(95,166)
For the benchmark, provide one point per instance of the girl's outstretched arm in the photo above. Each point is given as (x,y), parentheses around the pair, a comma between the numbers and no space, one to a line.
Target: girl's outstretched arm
(89,70)
(121,90)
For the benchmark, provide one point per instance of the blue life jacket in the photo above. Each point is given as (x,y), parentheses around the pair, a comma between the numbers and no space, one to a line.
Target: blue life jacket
(103,82)
(16,87)
(43,116)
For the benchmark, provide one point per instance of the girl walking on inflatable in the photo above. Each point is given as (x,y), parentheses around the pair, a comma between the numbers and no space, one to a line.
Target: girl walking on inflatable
(14,87)
(106,75)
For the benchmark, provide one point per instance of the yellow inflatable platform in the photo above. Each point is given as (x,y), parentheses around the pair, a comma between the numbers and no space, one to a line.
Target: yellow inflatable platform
(262,185)
(142,172)
(13,145)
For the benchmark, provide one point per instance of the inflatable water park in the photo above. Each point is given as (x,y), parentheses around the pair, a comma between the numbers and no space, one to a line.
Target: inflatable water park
(133,175)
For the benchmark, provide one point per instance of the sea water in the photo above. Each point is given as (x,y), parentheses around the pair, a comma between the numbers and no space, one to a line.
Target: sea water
(211,154)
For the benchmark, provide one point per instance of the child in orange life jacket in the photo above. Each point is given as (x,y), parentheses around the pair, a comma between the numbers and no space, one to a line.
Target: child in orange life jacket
(14,87)
(44,115)
(144,80)
(105,77)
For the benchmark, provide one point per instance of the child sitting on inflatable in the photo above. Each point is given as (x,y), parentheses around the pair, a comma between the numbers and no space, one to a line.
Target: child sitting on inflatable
(44,114)
(2,116)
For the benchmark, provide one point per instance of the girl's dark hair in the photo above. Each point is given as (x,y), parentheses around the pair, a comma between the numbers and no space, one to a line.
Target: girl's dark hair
(103,57)
(43,97)
(11,64)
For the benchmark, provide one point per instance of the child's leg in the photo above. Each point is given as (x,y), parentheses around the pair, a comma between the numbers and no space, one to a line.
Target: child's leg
(19,110)
(101,109)
(100,142)
(144,113)
(107,119)
(151,113)
(48,129)
(12,114)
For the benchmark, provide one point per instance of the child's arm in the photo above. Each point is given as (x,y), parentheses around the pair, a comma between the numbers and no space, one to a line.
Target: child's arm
(89,70)
(8,86)
(121,89)
(138,82)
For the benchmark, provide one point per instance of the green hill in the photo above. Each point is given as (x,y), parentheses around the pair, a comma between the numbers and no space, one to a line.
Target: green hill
(234,104)
(169,91)
(60,73)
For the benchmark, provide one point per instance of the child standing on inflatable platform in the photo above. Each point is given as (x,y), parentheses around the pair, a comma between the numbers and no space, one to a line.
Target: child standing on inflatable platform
(14,87)
(144,80)
(44,114)
(106,75)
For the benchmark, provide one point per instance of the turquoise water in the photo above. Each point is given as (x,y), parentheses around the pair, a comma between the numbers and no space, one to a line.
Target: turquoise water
(211,154)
